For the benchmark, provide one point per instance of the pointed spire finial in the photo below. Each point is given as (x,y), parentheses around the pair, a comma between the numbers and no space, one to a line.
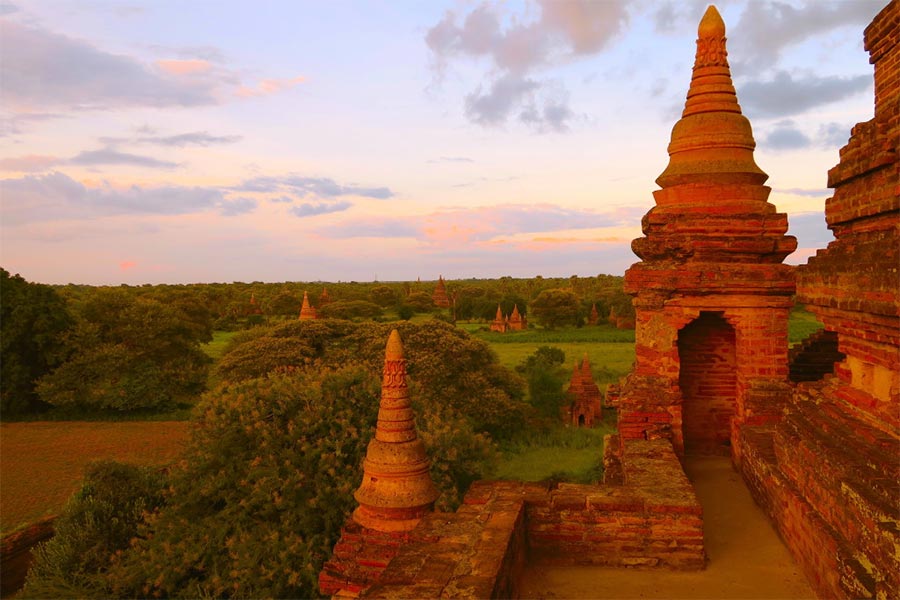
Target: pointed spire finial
(396,490)
(711,25)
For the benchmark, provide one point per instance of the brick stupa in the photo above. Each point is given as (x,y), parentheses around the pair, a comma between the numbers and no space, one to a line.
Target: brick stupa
(585,399)
(324,298)
(711,295)
(499,323)
(594,317)
(439,296)
(517,322)
(307,311)
(395,493)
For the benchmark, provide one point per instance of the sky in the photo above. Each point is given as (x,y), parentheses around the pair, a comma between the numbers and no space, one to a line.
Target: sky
(163,141)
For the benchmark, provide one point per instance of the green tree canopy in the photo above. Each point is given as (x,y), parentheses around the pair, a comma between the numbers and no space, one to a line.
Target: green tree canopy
(556,308)
(130,352)
(33,321)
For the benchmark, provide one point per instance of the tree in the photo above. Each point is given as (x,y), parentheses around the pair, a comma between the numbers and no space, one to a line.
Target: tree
(546,377)
(133,352)
(448,366)
(556,308)
(420,302)
(350,309)
(96,523)
(285,303)
(33,321)
(383,296)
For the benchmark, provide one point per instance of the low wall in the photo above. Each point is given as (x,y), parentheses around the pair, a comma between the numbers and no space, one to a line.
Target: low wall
(477,552)
(654,519)
(16,557)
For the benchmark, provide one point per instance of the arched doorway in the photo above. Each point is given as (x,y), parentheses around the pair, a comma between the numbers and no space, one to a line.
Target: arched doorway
(581,420)
(707,377)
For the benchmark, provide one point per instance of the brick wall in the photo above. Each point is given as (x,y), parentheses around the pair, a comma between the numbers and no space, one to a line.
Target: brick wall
(708,380)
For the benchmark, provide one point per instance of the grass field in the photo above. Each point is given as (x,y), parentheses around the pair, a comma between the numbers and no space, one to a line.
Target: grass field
(801,325)
(563,453)
(41,463)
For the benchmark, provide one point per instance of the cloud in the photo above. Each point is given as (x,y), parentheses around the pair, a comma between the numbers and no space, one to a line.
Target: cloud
(42,69)
(184,66)
(481,224)
(238,206)
(18,123)
(767,28)
(30,163)
(516,48)
(8,8)
(321,187)
(56,196)
(125,265)
(181,140)
(833,135)
(321,208)
(809,193)
(451,159)
(268,87)
(786,95)
(109,156)
(786,136)
(810,229)
(494,106)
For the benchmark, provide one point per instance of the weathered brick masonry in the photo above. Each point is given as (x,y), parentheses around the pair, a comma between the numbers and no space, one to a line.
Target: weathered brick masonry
(711,295)
(828,472)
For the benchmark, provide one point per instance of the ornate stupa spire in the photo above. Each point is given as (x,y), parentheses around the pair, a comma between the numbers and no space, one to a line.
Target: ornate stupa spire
(712,138)
(307,312)
(396,491)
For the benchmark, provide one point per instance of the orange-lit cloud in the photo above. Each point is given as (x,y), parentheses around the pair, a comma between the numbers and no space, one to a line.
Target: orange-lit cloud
(30,163)
(125,265)
(268,86)
(184,67)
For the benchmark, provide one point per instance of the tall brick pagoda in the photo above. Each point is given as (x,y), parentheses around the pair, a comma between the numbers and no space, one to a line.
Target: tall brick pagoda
(395,493)
(307,311)
(594,317)
(439,296)
(710,294)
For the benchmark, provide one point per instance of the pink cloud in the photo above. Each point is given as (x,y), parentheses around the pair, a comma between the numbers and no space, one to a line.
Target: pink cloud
(30,163)
(125,265)
(184,67)
(268,86)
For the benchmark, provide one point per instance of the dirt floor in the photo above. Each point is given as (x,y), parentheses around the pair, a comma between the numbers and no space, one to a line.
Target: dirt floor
(41,463)
(747,559)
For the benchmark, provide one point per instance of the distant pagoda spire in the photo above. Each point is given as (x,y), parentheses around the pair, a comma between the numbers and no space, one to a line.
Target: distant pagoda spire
(307,312)
(397,490)
(594,318)
(439,296)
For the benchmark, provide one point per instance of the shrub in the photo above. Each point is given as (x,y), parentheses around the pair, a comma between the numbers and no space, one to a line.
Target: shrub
(98,522)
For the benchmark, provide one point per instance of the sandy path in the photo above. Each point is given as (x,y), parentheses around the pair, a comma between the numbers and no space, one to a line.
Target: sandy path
(746,558)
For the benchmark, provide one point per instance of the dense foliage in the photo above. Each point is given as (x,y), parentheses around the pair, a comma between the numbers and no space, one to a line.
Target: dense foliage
(130,351)
(33,318)
(98,522)
(557,308)
(267,481)
(447,367)
(546,378)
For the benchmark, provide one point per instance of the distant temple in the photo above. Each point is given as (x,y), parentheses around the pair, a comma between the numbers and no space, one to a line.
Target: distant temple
(585,399)
(324,298)
(254,306)
(307,311)
(500,323)
(440,294)
(595,316)
(517,322)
